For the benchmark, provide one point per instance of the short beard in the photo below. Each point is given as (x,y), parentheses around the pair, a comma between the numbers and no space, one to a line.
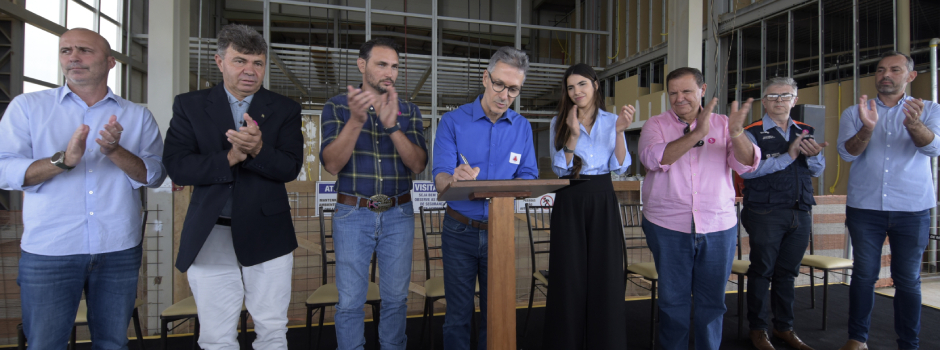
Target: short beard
(884,90)
(379,88)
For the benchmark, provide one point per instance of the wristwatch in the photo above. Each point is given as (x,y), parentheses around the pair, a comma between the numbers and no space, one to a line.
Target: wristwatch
(566,149)
(58,159)
(393,129)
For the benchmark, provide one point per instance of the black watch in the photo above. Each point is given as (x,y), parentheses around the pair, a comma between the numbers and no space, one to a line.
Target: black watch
(393,128)
(566,149)
(58,159)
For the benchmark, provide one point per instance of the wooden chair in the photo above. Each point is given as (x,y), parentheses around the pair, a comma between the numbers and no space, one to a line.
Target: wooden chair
(185,310)
(739,268)
(826,264)
(632,217)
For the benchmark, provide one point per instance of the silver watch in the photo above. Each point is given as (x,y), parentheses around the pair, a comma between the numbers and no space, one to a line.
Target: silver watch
(58,159)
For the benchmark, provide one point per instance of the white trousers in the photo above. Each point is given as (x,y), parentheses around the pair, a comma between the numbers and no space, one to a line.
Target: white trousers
(220,285)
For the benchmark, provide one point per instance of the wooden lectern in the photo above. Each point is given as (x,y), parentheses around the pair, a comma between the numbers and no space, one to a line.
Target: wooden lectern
(501,280)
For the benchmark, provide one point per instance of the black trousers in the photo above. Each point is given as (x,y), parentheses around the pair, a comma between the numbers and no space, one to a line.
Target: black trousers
(585,307)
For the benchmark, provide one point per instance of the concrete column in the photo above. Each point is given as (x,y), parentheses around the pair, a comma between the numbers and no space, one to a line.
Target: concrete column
(716,72)
(903,23)
(168,51)
(684,48)
(904,26)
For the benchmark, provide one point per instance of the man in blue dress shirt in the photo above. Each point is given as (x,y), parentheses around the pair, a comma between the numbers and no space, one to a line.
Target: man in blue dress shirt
(481,140)
(82,212)
(889,141)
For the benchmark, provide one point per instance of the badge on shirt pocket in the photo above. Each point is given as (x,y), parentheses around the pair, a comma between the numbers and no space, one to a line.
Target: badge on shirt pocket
(514,158)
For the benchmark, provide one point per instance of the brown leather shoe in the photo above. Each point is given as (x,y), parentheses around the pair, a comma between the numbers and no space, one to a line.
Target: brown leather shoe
(854,345)
(790,338)
(760,341)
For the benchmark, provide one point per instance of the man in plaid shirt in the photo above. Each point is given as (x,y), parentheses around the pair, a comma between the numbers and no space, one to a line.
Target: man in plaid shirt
(370,136)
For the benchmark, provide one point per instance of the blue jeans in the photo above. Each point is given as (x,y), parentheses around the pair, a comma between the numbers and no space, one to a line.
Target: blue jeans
(778,239)
(357,232)
(51,289)
(907,233)
(464,249)
(691,267)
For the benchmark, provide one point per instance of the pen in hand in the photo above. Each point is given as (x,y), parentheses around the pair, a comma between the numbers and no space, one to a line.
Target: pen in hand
(473,171)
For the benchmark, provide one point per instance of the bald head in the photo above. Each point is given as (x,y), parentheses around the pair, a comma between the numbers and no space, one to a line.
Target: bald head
(85,58)
(102,42)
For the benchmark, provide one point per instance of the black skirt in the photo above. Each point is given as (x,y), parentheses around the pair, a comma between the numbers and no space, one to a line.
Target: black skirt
(585,306)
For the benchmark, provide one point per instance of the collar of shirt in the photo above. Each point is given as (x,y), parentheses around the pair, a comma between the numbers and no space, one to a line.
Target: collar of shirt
(476,112)
(769,123)
(66,91)
(238,107)
(233,100)
(881,104)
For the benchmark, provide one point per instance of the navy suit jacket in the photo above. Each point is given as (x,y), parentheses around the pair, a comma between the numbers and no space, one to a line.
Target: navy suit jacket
(195,154)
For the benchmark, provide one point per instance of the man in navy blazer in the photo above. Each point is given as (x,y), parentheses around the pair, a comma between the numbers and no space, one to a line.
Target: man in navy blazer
(237,144)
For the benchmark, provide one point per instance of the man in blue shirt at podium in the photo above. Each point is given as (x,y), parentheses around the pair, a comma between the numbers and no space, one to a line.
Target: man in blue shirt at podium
(481,140)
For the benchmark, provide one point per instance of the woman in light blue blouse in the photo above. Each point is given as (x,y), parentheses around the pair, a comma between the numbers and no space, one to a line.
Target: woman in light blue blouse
(585,307)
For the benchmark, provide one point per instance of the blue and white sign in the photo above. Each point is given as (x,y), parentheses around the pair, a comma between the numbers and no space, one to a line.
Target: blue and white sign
(326,196)
(424,193)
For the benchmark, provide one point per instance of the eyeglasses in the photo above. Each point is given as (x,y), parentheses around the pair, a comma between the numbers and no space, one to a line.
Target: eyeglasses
(779,97)
(687,130)
(498,87)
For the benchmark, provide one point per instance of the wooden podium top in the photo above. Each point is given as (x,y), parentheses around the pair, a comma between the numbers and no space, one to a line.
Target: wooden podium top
(480,189)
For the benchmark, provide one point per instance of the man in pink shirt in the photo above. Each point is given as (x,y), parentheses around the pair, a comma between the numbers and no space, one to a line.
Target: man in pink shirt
(688,206)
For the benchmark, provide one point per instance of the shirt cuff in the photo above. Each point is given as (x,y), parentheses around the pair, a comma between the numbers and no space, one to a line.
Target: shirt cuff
(156,173)
(559,161)
(741,168)
(931,149)
(656,155)
(617,167)
(14,173)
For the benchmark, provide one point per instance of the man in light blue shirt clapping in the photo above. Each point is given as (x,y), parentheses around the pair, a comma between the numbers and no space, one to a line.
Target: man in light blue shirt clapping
(889,141)
(81,153)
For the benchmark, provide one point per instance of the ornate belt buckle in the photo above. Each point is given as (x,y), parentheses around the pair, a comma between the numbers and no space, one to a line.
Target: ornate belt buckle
(379,203)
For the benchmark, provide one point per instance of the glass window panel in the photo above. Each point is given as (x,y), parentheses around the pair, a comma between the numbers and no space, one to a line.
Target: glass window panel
(48,9)
(111,32)
(30,87)
(114,79)
(112,8)
(79,17)
(41,56)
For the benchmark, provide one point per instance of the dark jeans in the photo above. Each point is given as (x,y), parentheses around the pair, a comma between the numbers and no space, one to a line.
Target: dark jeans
(51,289)
(907,234)
(464,249)
(778,239)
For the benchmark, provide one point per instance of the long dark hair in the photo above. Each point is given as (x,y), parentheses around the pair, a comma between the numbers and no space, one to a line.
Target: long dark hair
(562,131)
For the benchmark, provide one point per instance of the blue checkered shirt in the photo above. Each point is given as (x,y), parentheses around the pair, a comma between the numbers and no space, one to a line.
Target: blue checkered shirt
(374,159)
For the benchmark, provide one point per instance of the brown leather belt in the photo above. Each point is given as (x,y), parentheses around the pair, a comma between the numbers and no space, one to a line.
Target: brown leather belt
(376,203)
(467,221)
